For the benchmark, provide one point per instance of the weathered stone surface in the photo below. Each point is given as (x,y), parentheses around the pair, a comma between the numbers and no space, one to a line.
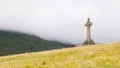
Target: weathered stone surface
(88,41)
(91,42)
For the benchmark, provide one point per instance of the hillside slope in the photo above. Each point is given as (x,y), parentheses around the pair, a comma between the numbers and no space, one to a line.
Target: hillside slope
(99,56)
(15,42)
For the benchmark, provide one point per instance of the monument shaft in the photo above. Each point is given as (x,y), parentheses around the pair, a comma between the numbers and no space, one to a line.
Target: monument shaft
(88,34)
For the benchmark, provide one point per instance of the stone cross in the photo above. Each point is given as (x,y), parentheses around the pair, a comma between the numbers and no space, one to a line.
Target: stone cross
(88,41)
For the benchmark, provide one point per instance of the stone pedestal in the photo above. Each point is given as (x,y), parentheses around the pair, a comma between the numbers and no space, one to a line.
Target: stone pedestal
(91,42)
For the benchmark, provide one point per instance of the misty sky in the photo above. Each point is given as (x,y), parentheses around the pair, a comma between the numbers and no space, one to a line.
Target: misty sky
(63,20)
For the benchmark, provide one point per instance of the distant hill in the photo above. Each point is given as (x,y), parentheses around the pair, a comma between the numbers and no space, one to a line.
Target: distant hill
(96,56)
(15,42)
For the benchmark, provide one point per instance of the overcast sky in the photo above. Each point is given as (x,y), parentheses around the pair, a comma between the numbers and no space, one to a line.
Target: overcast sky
(63,20)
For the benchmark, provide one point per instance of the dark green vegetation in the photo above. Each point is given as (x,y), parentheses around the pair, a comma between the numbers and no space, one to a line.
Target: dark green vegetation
(15,42)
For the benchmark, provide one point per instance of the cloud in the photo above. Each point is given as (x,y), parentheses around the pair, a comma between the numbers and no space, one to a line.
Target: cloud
(62,20)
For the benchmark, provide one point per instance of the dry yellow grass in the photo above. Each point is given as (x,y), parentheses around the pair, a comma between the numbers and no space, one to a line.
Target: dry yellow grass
(98,56)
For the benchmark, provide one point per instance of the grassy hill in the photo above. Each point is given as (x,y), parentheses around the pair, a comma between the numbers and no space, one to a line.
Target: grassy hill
(99,56)
(15,42)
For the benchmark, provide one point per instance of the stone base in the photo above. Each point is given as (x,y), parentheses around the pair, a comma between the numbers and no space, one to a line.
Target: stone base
(91,42)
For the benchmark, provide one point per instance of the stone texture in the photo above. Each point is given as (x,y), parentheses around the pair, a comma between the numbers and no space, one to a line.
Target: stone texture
(88,40)
(91,42)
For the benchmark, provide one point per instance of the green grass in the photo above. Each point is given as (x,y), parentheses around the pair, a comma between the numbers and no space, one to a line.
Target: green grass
(99,56)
